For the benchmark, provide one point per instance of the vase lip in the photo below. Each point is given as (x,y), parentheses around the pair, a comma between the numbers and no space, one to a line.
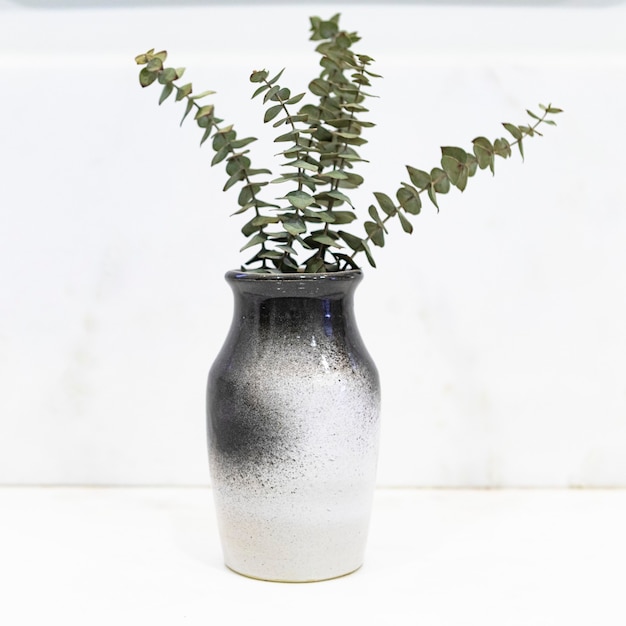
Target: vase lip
(343,275)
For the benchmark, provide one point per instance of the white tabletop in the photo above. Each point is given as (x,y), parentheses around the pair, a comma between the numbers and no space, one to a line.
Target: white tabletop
(142,556)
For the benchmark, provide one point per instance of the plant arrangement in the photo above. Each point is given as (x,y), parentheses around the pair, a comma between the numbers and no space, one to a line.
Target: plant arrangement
(306,228)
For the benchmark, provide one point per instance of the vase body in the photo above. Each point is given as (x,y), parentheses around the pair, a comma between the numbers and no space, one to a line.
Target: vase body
(293,403)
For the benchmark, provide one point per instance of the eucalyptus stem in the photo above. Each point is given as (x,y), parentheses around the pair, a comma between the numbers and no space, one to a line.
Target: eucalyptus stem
(322,142)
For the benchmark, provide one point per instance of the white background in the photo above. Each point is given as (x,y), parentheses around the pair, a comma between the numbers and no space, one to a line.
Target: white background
(498,327)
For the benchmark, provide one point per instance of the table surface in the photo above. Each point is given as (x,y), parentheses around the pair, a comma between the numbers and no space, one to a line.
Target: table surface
(117,556)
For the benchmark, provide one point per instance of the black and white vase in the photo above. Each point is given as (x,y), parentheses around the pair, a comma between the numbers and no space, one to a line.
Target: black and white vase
(293,405)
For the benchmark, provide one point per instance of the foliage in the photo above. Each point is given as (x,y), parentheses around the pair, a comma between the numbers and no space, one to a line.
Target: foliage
(320,143)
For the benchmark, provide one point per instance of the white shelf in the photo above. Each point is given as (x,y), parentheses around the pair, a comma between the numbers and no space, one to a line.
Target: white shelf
(120,556)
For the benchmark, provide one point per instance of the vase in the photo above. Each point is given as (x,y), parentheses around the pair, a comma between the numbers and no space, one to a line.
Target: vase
(293,405)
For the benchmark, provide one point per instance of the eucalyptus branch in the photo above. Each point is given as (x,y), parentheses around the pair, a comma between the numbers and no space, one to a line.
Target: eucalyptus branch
(457,166)
(322,141)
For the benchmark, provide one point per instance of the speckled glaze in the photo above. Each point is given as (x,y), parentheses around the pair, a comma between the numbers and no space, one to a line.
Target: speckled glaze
(293,420)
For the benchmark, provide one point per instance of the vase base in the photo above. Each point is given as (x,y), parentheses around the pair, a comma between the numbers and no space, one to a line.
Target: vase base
(294,581)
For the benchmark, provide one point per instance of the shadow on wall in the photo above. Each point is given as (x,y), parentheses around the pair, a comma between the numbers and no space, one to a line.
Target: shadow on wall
(85,4)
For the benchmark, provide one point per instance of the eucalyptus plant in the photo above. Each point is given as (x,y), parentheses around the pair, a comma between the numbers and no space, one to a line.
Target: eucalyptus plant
(309,227)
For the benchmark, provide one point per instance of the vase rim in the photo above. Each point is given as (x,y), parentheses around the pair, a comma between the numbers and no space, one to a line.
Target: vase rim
(241,275)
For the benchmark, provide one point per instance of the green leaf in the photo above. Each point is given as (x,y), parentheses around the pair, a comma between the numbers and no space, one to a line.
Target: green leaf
(352,182)
(335,175)
(419,178)
(343,217)
(385,203)
(295,226)
(318,216)
(484,153)
(287,248)
(375,233)
(407,227)
(368,254)
(376,217)
(271,93)
(167,76)
(452,168)
(277,77)
(206,111)
(183,91)
(272,112)
(514,130)
(305,165)
(206,135)
(300,199)
(187,110)
(319,87)
(456,153)
(550,109)
(260,90)
(203,94)
(502,148)
(167,90)
(155,64)
(240,143)
(354,242)
(259,76)
(441,182)
(146,77)
(220,155)
(263,220)
(255,171)
(409,200)
(295,99)
(290,136)
(337,195)
(456,171)
(249,228)
(325,240)
(258,239)
(433,196)
(272,255)
(235,178)
(142,59)
(315,265)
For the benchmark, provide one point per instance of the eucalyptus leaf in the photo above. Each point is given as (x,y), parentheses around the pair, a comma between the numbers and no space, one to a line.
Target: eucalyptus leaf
(168,75)
(300,199)
(354,242)
(146,77)
(325,240)
(514,130)
(271,92)
(167,90)
(409,199)
(295,226)
(260,90)
(375,233)
(456,153)
(258,77)
(407,227)
(272,112)
(258,239)
(183,91)
(419,178)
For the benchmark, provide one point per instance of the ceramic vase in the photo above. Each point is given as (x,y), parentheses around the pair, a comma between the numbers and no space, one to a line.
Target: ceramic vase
(293,404)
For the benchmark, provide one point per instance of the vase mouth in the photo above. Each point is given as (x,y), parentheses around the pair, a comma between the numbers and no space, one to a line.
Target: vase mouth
(344,275)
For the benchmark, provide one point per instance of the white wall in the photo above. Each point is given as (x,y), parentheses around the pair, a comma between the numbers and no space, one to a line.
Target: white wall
(498,327)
